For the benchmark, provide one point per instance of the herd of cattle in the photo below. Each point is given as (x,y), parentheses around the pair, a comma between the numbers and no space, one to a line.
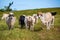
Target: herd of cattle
(29,21)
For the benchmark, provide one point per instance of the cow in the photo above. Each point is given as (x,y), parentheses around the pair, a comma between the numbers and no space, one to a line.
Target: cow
(29,22)
(47,19)
(22,20)
(4,16)
(10,20)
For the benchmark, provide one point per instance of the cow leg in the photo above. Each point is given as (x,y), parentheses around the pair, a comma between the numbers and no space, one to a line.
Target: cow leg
(48,28)
(12,27)
(21,26)
(52,23)
(32,27)
(9,27)
(26,25)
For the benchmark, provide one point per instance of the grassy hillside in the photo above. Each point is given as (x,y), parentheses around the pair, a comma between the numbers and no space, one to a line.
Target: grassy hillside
(38,34)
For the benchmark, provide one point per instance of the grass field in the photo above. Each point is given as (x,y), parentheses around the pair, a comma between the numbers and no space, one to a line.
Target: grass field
(38,34)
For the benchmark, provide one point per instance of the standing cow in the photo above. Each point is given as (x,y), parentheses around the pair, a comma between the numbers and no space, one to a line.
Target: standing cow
(29,22)
(47,18)
(22,21)
(10,20)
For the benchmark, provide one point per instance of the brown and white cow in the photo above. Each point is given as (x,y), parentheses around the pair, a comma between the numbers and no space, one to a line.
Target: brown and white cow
(29,22)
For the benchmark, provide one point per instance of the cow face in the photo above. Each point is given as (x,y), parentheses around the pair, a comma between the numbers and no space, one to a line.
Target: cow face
(39,14)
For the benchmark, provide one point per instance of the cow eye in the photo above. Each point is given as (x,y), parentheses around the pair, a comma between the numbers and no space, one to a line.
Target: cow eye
(41,14)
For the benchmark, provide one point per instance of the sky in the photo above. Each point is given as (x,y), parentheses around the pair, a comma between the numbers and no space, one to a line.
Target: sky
(30,4)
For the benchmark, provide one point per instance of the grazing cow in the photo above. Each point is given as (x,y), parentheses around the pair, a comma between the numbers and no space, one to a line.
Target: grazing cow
(47,19)
(22,20)
(10,20)
(4,16)
(29,22)
(36,18)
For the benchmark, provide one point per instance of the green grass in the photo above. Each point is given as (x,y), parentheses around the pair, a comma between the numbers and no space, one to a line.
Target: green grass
(40,32)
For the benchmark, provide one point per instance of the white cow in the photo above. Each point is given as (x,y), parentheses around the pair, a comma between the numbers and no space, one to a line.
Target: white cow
(29,22)
(47,19)
(4,16)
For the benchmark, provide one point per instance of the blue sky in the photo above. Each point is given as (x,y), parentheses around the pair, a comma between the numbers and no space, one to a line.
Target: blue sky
(30,4)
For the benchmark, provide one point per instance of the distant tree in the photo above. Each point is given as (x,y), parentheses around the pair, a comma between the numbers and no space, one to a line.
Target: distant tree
(7,8)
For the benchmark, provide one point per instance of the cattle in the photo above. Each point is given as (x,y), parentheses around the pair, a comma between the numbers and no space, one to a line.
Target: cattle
(4,16)
(47,18)
(10,20)
(22,20)
(29,22)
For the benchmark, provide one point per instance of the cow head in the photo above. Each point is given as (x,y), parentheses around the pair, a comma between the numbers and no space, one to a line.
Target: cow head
(39,14)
